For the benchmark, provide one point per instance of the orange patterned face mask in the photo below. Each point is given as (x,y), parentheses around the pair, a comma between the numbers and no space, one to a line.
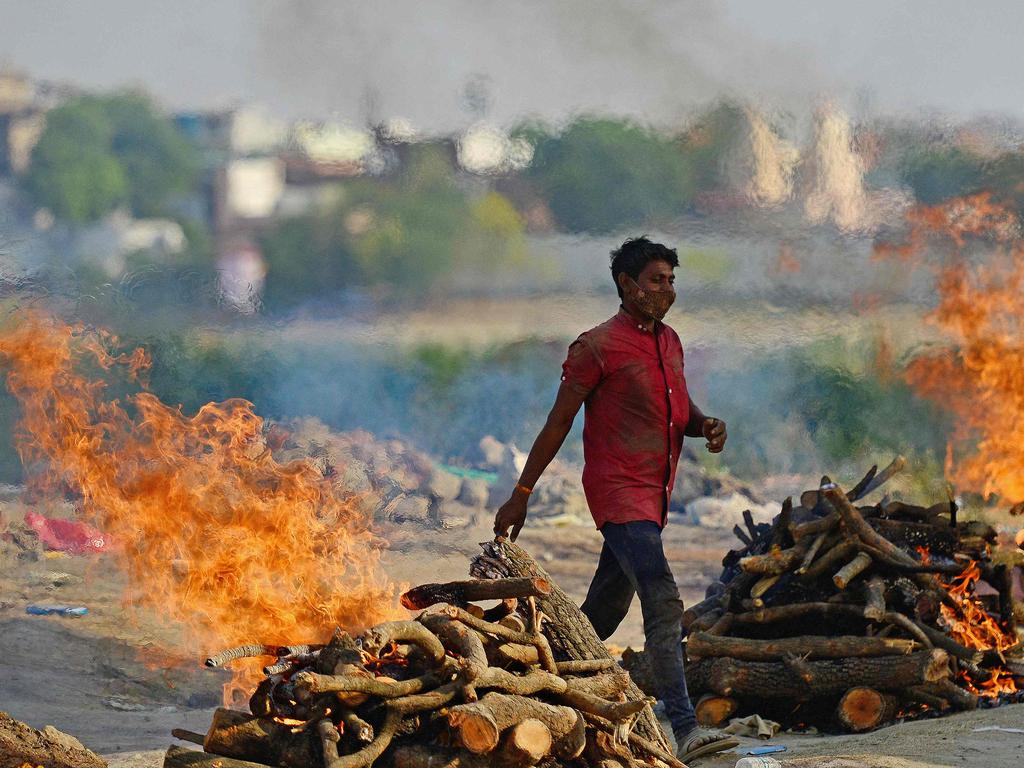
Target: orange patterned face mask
(654,304)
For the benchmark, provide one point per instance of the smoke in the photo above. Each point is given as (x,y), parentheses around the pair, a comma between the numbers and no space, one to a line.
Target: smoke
(445,63)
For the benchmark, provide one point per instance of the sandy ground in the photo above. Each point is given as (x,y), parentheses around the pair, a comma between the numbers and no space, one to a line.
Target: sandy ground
(113,684)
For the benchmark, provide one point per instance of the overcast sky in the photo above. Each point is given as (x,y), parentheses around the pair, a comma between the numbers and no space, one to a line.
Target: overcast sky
(649,58)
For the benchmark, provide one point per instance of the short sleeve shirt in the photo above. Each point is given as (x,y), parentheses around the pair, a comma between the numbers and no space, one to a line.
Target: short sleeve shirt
(635,414)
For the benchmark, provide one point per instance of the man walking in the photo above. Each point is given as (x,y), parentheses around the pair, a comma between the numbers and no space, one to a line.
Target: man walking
(628,372)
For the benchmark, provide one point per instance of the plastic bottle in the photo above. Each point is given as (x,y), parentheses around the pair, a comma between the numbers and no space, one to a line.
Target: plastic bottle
(762,761)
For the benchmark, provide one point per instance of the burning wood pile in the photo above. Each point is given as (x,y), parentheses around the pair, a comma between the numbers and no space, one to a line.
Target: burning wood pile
(850,617)
(455,686)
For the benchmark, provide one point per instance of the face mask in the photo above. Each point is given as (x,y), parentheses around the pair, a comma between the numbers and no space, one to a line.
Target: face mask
(654,304)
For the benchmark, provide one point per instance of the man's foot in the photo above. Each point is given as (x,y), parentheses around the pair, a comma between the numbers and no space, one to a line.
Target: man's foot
(703,741)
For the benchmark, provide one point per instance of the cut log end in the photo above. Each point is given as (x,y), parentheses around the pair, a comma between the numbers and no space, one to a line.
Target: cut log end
(862,709)
(712,711)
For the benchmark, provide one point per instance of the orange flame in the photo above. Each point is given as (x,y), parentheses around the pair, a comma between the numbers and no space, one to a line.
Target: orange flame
(968,621)
(981,308)
(213,532)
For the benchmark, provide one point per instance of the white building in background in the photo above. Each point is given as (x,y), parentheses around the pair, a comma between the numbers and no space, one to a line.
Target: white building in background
(248,189)
(485,149)
(241,275)
(330,150)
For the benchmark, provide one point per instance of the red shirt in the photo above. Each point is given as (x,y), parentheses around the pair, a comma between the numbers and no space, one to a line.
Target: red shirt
(635,413)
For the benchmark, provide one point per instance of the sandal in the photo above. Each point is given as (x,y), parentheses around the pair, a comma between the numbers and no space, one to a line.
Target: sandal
(704,741)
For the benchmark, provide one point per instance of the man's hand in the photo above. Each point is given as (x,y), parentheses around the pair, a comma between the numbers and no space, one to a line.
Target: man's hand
(512,514)
(714,432)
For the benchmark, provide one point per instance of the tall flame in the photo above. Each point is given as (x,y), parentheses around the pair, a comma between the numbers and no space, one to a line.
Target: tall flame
(981,309)
(212,531)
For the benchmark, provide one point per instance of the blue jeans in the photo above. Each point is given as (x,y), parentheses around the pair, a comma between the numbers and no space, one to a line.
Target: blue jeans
(633,562)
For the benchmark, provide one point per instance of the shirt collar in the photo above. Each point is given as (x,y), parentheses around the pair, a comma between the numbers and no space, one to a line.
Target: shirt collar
(624,317)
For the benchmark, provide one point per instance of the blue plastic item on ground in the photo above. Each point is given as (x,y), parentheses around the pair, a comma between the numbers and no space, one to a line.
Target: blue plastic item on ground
(56,610)
(766,750)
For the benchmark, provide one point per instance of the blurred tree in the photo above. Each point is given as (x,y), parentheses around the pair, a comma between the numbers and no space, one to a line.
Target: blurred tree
(410,235)
(937,173)
(98,152)
(73,172)
(708,142)
(600,175)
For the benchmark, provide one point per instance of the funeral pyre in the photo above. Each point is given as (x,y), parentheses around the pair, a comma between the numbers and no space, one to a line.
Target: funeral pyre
(848,617)
(523,682)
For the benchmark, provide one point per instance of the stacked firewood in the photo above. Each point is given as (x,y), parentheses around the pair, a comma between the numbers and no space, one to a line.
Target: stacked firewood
(846,616)
(455,686)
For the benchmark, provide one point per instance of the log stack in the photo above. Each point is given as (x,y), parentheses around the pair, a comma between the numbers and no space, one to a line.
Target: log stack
(848,616)
(458,685)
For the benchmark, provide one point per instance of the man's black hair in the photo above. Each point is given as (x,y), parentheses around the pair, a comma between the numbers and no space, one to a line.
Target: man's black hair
(636,253)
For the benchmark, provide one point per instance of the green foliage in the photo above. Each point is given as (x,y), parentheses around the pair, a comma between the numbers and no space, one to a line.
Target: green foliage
(98,152)
(600,175)
(412,234)
(796,411)
(709,140)
(939,173)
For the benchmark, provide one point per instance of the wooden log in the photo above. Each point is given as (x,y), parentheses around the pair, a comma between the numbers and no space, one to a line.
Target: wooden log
(585,666)
(368,754)
(520,748)
(762,586)
(812,552)
(939,540)
(429,756)
(742,536)
(875,607)
(881,478)
(639,743)
(479,725)
(858,490)
(181,757)
(732,677)
(919,694)
(953,693)
(572,635)
(463,592)
(863,709)
(940,639)
(377,638)
(748,520)
(242,736)
(794,611)
(459,640)
(842,551)
(502,611)
(708,646)
(860,563)
(774,562)
(855,523)
(712,711)
(21,744)
(309,684)
(525,744)
(356,727)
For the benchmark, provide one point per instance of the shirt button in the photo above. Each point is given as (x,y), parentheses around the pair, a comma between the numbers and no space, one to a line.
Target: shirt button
(670,390)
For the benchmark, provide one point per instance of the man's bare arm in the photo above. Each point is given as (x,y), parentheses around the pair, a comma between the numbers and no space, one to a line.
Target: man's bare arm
(512,513)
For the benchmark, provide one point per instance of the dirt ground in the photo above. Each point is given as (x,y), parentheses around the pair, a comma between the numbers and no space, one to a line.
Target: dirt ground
(113,683)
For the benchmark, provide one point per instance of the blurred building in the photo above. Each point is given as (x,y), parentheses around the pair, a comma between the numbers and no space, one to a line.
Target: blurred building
(247,191)
(21,123)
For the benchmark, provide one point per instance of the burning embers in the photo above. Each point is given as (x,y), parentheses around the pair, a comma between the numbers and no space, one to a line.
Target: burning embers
(456,686)
(860,614)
